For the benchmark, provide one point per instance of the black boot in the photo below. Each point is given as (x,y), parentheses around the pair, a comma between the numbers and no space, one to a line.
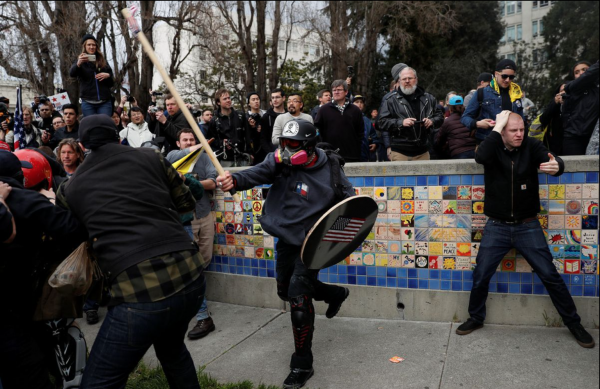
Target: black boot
(298,378)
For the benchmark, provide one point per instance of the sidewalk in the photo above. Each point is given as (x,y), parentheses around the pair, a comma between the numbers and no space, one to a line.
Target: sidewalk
(256,344)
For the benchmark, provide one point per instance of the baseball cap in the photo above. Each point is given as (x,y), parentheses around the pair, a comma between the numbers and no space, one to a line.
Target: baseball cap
(455,100)
(359,97)
(506,64)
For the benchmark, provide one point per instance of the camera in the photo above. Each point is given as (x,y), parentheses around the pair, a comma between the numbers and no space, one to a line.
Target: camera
(154,93)
(43,99)
(130,99)
(196,113)
(153,109)
(350,71)
(91,58)
(255,117)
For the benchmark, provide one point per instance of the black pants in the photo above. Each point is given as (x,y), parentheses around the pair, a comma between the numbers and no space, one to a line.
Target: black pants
(575,145)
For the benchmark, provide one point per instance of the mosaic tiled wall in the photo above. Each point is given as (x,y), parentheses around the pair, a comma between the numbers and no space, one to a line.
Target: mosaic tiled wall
(427,235)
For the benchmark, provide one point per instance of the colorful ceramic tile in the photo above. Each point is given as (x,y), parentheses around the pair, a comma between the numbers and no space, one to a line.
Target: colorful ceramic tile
(249,229)
(449,221)
(463,192)
(368,246)
(408,247)
(463,221)
(408,206)
(559,264)
(435,207)
(478,221)
(543,219)
(368,191)
(436,235)
(408,193)
(421,206)
(589,251)
(407,221)
(393,206)
(573,222)
(356,259)
(462,263)
(522,266)
(421,193)
(229,217)
(478,192)
(239,228)
(381,246)
(573,191)
(229,206)
(249,252)
(381,260)
(394,232)
(463,249)
(422,221)
(555,236)
(381,206)
(395,246)
(543,191)
(435,193)
(572,266)
(220,228)
(590,207)
(230,240)
(258,230)
(436,248)
(422,248)
(556,192)
(589,191)
(237,207)
(572,251)
(408,261)
(421,262)
(463,207)
(449,249)
(573,236)
(589,267)
(435,262)
(573,207)
(589,222)
(556,222)
(544,206)
(394,260)
(476,234)
(394,193)
(368,259)
(478,207)
(407,233)
(589,237)
(512,253)
(450,235)
(436,221)
(557,251)
(422,234)
(357,191)
(238,217)
(380,232)
(449,263)
(380,193)
(449,193)
(557,207)
(508,265)
(449,206)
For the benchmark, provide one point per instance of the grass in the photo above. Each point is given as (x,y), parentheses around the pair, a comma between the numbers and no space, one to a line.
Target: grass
(144,377)
(550,322)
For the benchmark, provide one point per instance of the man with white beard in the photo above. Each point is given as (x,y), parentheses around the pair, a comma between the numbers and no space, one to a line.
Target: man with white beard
(406,117)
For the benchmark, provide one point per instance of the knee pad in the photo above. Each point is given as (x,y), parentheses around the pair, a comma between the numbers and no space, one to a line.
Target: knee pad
(70,350)
(282,291)
(303,311)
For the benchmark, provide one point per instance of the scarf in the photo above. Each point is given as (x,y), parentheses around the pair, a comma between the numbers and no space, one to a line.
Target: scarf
(514,90)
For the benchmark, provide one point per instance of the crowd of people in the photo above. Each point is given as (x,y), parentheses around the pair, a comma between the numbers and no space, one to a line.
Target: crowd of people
(152,232)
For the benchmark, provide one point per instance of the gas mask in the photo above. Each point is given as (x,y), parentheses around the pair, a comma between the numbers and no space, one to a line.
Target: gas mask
(291,157)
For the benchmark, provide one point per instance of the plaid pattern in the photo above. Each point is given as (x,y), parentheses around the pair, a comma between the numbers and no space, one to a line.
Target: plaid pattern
(341,108)
(157,278)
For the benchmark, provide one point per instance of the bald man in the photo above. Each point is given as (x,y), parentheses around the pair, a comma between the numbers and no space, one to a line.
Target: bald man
(512,201)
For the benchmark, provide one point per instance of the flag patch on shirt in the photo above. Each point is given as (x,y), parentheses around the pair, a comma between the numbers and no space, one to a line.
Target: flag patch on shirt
(302,189)
(344,229)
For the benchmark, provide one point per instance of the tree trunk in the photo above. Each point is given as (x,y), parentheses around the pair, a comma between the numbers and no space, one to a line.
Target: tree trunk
(274,77)
(147,71)
(261,54)
(339,38)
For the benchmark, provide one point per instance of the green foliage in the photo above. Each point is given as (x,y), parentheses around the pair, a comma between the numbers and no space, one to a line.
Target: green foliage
(571,34)
(299,76)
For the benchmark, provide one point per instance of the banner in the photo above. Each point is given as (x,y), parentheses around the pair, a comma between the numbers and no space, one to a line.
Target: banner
(59,100)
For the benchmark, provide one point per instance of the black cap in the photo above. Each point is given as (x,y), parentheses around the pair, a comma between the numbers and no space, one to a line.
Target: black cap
(359,97)
(97,130)
(250,95)
(506,64)
(88,36)
(10,164)
(485,77)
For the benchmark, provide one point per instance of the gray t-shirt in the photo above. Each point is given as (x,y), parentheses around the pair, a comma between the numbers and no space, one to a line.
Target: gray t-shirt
(280,122)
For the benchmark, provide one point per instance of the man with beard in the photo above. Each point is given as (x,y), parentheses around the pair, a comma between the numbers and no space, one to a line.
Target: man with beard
(70,154)
(295,106)
(407,115)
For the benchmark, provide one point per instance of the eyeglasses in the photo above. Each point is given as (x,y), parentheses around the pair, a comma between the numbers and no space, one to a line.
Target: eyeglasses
(509,76)
(294,101)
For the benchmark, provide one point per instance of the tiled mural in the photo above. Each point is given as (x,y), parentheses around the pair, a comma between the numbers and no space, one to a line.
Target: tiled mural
(427,235)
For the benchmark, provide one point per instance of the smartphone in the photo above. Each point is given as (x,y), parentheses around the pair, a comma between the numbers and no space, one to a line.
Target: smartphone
(91,58)
(419,121)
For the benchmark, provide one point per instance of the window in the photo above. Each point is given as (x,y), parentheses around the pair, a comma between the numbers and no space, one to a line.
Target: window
(294,47)
(202,75)
(519,32)
(512,57)
(539,57)
(535,4)
(204,100)
(510,33)
(281,45)
(544,3)
(534,28)
(513,7)
(519,7)
(541,24)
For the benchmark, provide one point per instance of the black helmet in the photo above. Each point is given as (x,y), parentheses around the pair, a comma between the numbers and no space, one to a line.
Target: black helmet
(302,130)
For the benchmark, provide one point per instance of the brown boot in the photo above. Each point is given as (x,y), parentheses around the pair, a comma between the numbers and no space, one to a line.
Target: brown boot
(202,328)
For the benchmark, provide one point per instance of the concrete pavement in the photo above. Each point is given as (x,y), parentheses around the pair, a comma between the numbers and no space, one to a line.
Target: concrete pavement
(256,344)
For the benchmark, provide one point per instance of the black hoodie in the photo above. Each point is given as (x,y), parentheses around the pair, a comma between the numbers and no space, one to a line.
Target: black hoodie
(266,123)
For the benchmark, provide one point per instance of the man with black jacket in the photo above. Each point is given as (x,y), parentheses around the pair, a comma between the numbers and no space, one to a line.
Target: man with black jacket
(230,130)
(406,116)
(70,130)
(268,119)
(170,126)
(152,266)
(512,202)
(36,219)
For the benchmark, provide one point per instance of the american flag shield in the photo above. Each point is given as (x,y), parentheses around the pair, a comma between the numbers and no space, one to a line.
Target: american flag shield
(19,129)
(344,229)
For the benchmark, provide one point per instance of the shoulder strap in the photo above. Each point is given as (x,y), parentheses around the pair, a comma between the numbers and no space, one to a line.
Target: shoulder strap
(336,164)
(480,96)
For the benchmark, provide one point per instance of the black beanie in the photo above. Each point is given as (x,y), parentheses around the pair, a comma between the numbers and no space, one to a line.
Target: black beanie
(97,130)
(250,95)
(506,64)
(88,36)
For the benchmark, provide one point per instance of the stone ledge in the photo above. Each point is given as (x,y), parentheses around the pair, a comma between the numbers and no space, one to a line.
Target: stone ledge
(403,304)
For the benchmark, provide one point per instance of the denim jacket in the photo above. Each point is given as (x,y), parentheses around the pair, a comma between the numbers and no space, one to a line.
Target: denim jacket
(491,105)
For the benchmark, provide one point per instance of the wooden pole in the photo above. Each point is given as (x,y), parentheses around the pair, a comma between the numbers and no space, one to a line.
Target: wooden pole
(133,26)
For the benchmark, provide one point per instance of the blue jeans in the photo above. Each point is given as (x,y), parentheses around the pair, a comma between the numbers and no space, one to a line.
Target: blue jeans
(528,239)
(203,312)
(129,330)
(88,109)
(465,155)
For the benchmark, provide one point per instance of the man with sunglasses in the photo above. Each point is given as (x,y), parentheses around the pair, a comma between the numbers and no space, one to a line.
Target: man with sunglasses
(501,95)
